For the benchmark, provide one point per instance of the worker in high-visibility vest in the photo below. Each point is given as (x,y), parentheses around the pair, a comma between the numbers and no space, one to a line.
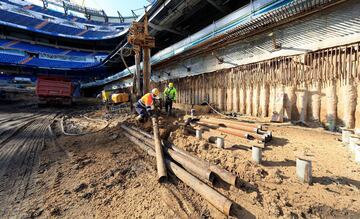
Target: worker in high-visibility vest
(170,97)
(145,105)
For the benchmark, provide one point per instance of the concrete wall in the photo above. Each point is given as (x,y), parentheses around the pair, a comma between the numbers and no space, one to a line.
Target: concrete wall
(320,86)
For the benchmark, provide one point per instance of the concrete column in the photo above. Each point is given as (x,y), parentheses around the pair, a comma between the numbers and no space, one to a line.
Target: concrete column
(256,154)
(346,133)
(220,142)
(304,170)
(199,134)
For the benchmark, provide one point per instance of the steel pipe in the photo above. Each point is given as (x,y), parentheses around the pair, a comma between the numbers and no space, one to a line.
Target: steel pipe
(202,171)
(235,132)
(232,125)
(225,121)
(219,172)
(219,201)
(160,163)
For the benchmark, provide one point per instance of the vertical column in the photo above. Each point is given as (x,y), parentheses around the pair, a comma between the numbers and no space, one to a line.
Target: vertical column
(249,95)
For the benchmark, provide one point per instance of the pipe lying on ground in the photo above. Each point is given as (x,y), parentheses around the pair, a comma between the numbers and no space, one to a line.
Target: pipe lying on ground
(219,201)
(236,123)
(160,163)
(231,125)
(235,132)
(202,171)
(219,172)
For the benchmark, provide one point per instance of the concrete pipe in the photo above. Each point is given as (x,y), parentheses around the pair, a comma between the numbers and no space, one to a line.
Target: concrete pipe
(304,170)
(220,142)
(256,154)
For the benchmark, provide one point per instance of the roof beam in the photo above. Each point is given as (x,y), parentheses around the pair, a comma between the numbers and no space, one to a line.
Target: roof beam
(162,28)
(215,5)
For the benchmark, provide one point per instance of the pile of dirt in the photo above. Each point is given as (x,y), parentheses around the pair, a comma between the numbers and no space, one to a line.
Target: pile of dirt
(272,189)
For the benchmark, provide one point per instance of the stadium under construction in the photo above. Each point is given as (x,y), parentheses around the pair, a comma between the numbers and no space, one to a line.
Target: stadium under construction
(180,109)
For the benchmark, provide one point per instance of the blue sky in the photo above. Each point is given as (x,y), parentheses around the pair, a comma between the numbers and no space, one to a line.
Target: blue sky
(123,6)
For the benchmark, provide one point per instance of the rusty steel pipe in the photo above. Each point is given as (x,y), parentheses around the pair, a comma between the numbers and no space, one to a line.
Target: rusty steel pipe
(199,170)
(203,172)
(219,172)
(225,121)
(150,151)
(235,132)
(142,132)
(224,175)
(160,163)
(231,125)
(219,201)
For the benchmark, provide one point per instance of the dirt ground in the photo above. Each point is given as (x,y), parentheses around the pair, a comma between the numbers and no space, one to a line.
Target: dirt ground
(102,174)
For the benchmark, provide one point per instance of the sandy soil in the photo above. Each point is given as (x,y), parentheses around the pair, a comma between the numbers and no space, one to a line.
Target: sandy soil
(272,189)
(104,175)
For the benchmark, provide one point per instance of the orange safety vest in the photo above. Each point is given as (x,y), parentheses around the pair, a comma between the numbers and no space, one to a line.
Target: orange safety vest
(147,100)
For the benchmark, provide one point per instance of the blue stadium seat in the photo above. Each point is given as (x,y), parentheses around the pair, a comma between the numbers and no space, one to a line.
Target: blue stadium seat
(11,58)
(78,53)
(19,19)
(3,42)
(37,48)
(48,63)
(57,28)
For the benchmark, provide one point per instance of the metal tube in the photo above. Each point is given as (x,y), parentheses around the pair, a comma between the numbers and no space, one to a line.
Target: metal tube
(231,125)
(160,164)
(219,201)
(235,132)
(224,121)
(202,171)
(219,172)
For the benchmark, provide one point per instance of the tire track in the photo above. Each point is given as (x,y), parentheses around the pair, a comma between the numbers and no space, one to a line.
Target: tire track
(19,159)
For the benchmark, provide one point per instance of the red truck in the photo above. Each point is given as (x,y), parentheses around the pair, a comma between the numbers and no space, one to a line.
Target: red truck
(51,90)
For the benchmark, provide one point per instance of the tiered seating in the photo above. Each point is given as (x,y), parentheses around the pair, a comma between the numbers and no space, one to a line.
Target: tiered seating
(57,28)
(78,53)
(51,28)
(19,19)
(11,58)
(37,48)
(49,63)
(97,34)
(46,11)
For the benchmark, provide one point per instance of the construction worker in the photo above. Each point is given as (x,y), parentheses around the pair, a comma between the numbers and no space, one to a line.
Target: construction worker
(145,105)
(170,97)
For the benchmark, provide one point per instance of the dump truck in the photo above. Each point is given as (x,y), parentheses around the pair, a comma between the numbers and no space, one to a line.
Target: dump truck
(54,90)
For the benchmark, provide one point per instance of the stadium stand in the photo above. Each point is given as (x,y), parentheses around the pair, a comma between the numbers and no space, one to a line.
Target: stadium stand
(26,21)
(48,63)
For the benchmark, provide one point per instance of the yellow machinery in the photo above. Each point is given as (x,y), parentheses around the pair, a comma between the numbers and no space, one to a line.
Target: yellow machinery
(119,98)
(105,96)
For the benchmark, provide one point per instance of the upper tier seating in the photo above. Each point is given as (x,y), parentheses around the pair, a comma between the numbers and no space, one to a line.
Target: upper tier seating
(34,48)
(11,58)
(35,24)
(37,48)
(49,63)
